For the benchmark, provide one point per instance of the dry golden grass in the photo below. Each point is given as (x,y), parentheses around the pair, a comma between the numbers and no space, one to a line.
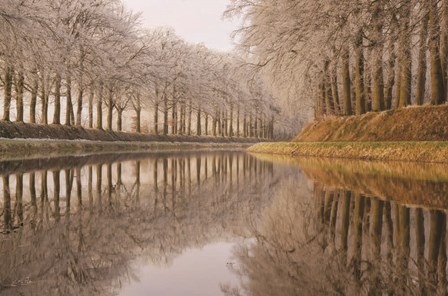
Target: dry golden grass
(427,123)
(435,152)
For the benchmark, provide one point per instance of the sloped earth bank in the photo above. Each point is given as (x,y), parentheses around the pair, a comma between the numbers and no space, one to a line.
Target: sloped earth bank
(428,123)
(30,149)
(18,140)
(417,134)
(10,130)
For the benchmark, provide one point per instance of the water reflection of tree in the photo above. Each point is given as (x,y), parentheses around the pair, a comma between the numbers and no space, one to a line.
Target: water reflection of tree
(357,245)
(85,247)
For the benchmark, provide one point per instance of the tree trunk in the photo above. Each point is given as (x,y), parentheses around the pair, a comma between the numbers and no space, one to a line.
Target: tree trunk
(238,133)
(183,128)
(44,98)
(245,125)
(165,115)
(19,97)
(173,118)
(398,77)
(190,115)
(57,100)
(251,130)
(262,127)
(367,81)
(33,102)
(214,127)
(110,108)
(256,126)
(225,123)
(138,120)
(69,103)
(321,102)
(405,58)
(7,93)
(198,122)
(359,74)
(99,107)
(335,89)
(422,68)
(91,96)
(231,132)
(218,122)
(377,74)
(346,87)
(329,101)
(79,105)
(180,126)
(156,118)
(391,67)
(206,124)
(176,119)
(120,119)
(437,87)
(444,45)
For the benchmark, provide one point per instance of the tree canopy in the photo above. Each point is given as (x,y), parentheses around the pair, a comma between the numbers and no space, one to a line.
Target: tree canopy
(91,63)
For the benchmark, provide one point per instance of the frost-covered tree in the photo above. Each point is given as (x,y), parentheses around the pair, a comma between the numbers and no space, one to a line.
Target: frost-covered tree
(89,63)
(344,57)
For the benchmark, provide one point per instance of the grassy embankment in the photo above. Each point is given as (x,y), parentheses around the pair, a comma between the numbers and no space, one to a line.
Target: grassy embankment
(30,140)
(411,134)
(22,149)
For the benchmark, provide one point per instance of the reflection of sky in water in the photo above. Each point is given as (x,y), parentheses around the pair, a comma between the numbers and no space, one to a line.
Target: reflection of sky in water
(196,272)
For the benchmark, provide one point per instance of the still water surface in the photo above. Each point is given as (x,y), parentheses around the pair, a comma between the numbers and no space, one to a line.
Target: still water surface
(221,223)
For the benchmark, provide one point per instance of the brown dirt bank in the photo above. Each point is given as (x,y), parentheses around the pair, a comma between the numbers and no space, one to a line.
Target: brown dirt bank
(10,130)
(427,123)
(21,149)
(13,130)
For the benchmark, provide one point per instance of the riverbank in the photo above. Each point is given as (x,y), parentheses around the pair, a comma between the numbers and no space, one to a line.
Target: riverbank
(432,152)
(28,148)
(424,123)
(14,130)
(416,134)
(19,140)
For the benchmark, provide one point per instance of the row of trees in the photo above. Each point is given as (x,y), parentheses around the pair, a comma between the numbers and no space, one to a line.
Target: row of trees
(350,57)
(90,63)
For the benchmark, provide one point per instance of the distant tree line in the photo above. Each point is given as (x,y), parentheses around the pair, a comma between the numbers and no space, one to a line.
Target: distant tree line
(86,63)
(350,57)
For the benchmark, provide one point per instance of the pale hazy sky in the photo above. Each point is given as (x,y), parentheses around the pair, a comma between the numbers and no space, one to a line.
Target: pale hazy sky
(197,21)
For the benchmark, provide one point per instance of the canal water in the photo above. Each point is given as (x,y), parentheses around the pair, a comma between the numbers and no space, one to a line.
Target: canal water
(221,223)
